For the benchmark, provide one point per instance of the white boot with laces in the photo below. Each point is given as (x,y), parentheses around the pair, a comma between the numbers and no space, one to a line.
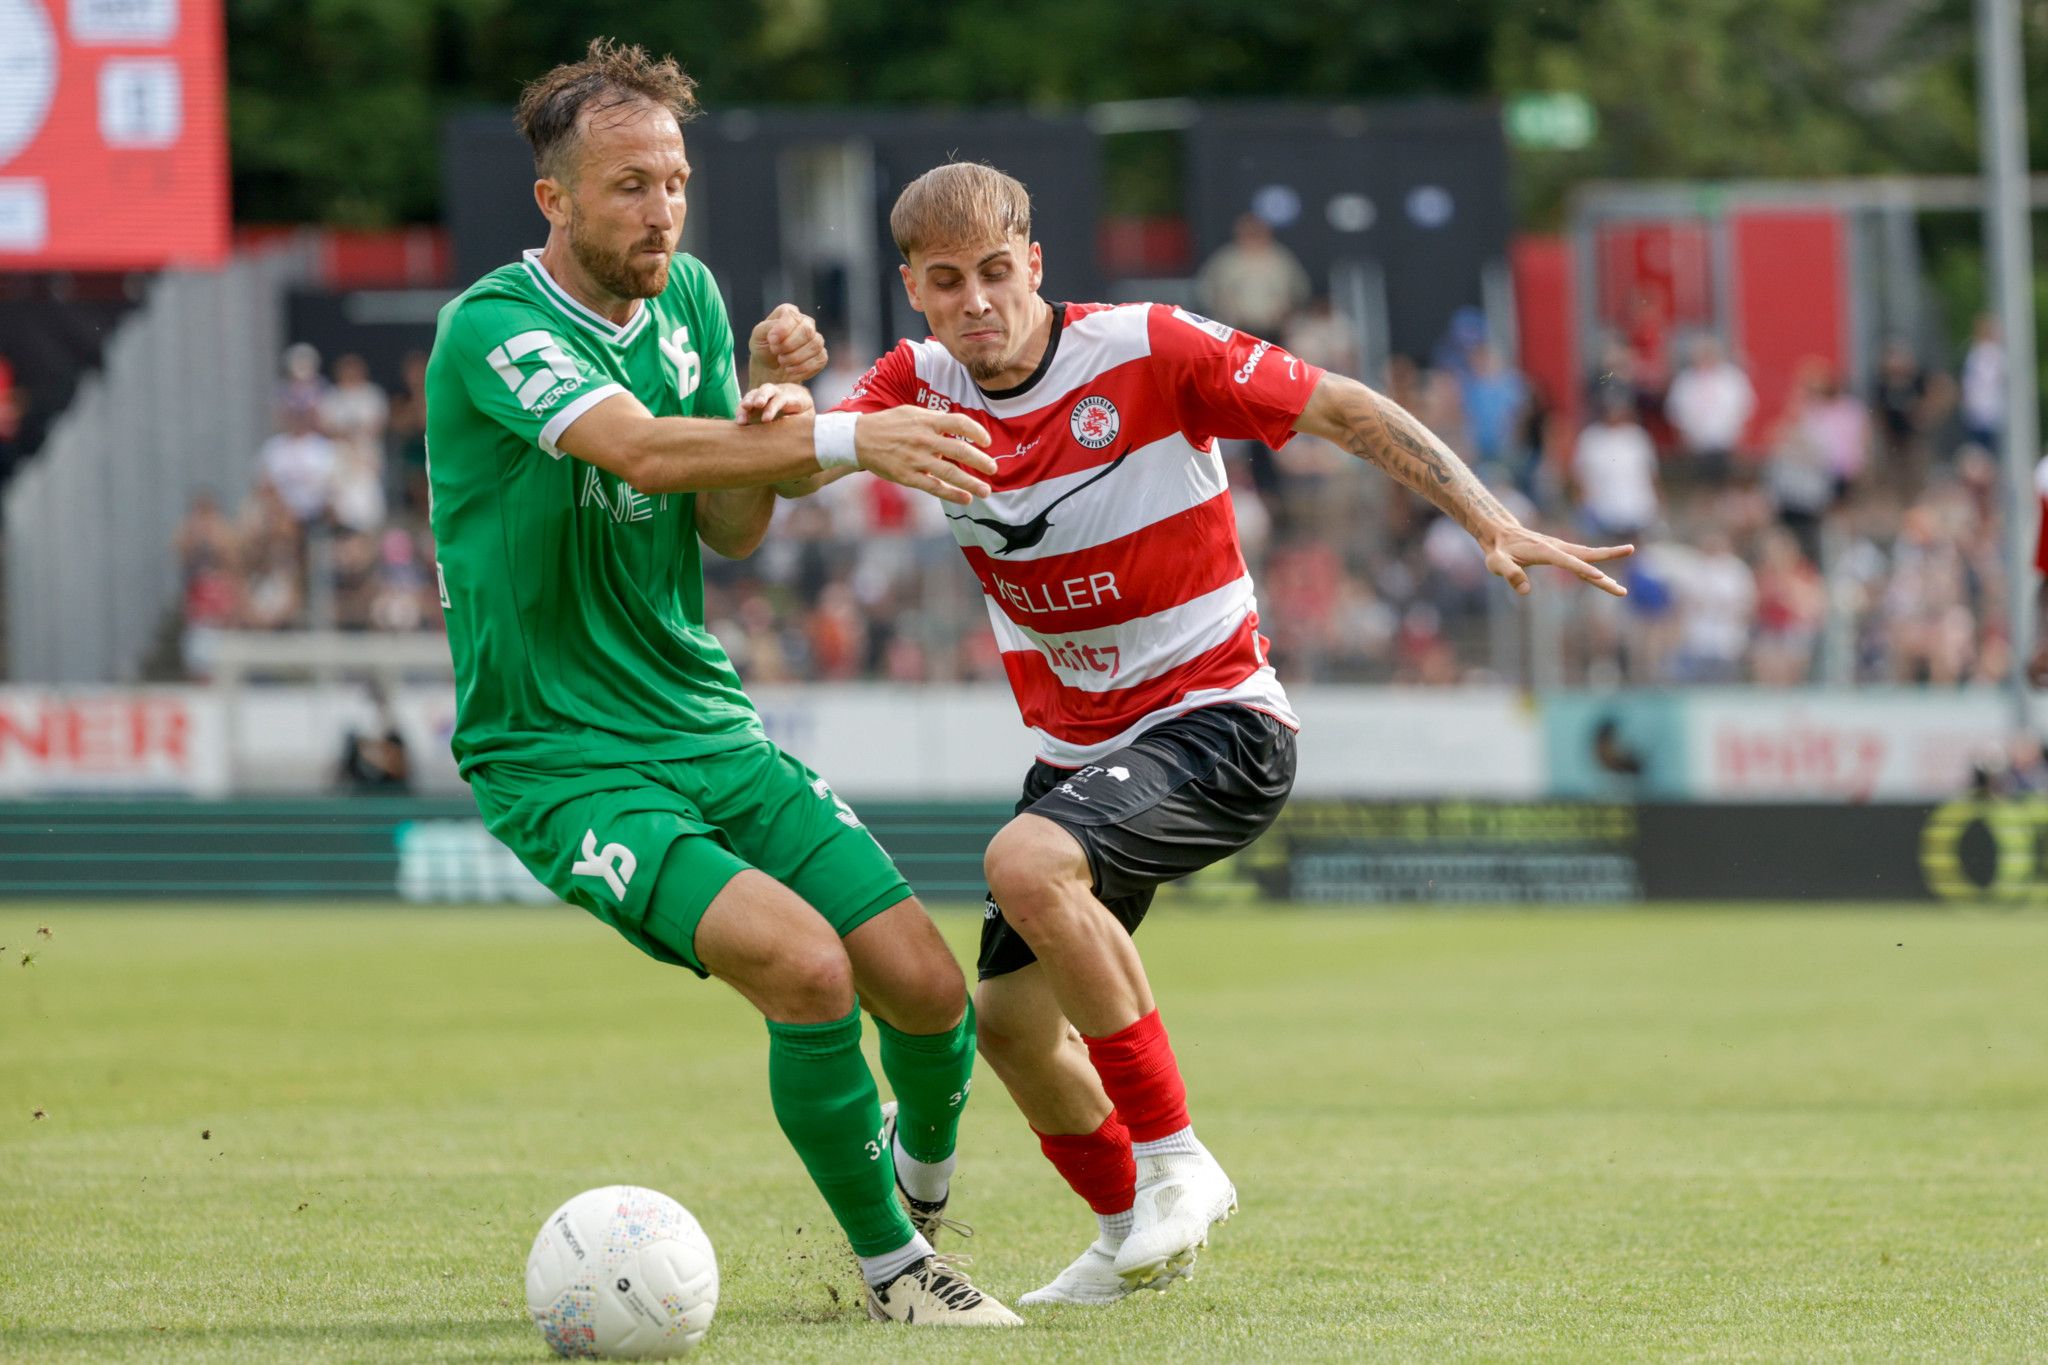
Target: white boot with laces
(935,1292)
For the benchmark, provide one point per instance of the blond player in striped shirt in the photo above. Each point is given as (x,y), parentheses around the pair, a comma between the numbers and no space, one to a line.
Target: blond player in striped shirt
(1108,557)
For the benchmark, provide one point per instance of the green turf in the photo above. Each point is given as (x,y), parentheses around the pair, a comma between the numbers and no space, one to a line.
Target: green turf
(1717,1134)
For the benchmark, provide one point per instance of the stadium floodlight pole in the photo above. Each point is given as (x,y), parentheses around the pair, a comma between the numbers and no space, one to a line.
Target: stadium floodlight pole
(2008,233)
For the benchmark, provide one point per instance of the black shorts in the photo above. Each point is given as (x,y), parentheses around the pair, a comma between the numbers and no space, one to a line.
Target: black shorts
(1188,792)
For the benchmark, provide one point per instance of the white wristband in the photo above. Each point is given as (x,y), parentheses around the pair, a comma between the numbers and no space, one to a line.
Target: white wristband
(832,439)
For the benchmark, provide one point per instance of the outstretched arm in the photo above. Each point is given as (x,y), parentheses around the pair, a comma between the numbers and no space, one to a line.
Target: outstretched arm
(1375,428)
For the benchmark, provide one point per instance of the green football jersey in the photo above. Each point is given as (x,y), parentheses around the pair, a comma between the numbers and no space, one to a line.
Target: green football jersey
(574,603)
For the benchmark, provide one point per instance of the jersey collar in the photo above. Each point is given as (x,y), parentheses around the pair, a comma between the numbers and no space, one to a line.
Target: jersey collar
(1052,347)
(587,318)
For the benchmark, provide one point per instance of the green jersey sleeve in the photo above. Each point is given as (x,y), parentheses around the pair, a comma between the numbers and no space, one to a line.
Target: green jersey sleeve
(721,378)
(519,372)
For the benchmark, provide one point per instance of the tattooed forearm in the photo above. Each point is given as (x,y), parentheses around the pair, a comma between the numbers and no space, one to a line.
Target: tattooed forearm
(1382,431)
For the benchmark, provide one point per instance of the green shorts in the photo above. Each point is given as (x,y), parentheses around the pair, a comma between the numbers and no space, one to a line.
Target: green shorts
(646,847)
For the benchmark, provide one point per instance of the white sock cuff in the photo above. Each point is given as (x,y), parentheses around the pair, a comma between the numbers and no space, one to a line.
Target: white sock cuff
(1182,1141)
(927,1181)
(883,1271)
(1115,1226)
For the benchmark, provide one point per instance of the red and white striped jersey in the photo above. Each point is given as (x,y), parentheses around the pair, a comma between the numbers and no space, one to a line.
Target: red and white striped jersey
(1108,549)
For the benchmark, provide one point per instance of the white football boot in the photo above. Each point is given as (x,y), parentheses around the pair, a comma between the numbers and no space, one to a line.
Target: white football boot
(936,1293)
(1181,1195)
(1092,1279)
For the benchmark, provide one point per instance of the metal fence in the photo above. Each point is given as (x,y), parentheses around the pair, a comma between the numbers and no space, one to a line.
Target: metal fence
(183,403)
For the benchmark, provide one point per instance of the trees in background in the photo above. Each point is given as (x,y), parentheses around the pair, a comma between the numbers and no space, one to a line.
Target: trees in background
(335,104)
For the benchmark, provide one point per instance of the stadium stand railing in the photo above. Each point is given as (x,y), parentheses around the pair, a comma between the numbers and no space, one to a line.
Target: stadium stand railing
(183,402)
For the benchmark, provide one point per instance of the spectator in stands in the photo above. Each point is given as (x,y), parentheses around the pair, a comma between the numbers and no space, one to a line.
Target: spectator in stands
(352,562)
(404,595)
(1709,406)
(1465,329)
(1899,401)
(1614,468)
(354,414)
(1840,424)
(1494,397)
(1928,580)
(1797,475)
(354,409)
(1322,338)
(209,571)
(276,596)
(302,387)
(406,435)
(1791,602)
(374,762)
(1717,609)
(1983,386)
(1616,373)
(1253,283)
(298,463)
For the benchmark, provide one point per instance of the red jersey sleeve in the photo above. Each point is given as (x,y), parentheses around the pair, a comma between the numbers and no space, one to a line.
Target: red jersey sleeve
(890,382)
(1221,382)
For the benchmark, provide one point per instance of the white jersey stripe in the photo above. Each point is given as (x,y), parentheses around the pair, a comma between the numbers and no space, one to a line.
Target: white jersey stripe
(1142,649)
(551,434)
(1089,345)
(1157,481)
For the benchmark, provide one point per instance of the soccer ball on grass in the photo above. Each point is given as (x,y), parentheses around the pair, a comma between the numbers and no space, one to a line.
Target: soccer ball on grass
(622,1273)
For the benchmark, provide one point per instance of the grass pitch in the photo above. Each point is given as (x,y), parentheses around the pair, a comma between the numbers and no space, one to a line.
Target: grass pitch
(330,1134)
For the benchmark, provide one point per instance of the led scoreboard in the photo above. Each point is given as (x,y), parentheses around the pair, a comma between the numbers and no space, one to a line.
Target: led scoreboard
(113,139)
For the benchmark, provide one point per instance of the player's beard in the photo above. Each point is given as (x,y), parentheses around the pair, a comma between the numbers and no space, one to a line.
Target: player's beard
(622,274)
(990,364)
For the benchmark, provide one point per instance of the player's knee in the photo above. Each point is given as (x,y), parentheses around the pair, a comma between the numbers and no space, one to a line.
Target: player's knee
(1028,872)
(937,996)
(999,1046)
(813,984)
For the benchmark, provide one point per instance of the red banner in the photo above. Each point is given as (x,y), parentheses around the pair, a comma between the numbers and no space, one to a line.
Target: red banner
(113,136)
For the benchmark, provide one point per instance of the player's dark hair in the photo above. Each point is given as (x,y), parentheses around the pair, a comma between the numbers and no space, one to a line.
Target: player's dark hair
(959,203)
(611,76)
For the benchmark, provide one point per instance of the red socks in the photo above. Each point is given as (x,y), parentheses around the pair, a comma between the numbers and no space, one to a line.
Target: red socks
(1141,1079)
(1098,1165)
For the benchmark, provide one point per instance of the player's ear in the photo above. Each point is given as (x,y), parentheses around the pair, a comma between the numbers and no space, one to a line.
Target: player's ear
(553,200)
(1037,266)
(910,288)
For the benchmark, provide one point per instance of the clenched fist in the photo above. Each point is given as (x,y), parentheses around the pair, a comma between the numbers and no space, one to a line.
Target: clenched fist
(785,347)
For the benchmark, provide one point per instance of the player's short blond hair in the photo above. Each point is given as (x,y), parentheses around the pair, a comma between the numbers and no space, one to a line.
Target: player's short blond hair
(611,76)
(959,203)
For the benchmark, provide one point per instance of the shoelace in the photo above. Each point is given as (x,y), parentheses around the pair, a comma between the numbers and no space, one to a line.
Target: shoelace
(941,1223)
(945,1280)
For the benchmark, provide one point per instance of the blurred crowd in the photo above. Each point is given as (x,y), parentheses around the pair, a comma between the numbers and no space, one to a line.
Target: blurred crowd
(1851,536)
(332,532)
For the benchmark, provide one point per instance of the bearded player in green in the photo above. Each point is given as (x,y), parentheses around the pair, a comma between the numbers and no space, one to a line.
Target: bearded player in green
(586,430)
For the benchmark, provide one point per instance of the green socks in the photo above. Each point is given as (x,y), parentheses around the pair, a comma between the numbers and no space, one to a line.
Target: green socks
(825,1100)
(930,1074)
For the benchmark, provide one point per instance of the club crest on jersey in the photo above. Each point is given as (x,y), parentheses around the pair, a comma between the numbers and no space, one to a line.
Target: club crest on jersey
(1095,421)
